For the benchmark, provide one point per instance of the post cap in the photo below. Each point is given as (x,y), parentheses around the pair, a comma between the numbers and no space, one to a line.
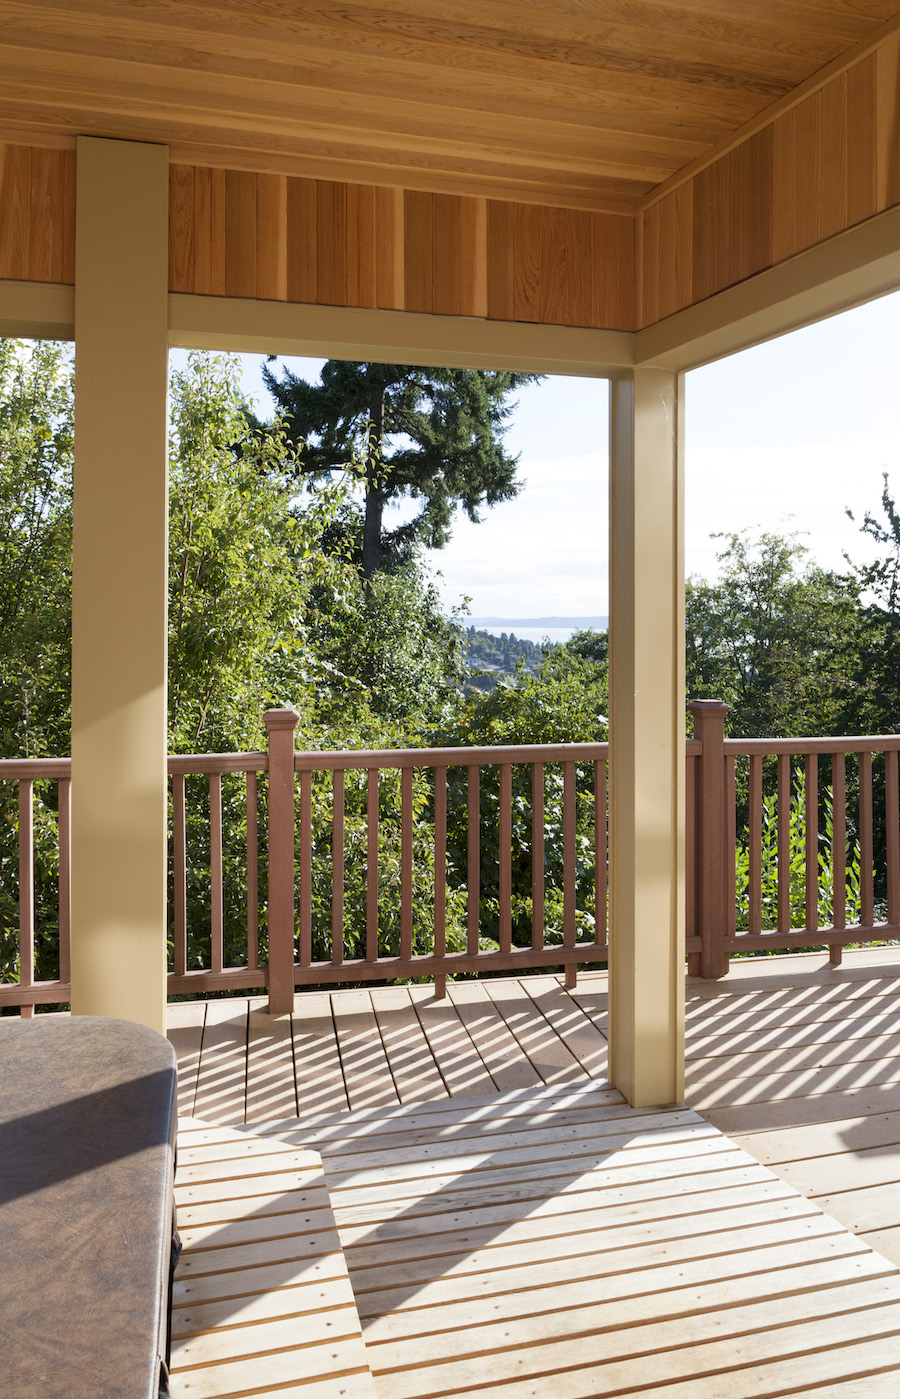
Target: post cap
(281,719)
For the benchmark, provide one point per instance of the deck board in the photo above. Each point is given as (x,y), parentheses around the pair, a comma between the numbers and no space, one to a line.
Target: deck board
(794,1059)
(562,1249)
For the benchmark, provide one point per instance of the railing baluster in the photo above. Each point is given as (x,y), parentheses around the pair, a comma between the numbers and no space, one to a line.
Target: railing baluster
(730,854)
(26,890)
(783,817)
(690,858)
(372,865)
(838,852)
(537,856)
(406,861)
(337,867)
(179,877)
(505,857)
(867,892)
(473,860)
(440,876)
(569,869)
(600,876)
(252,872)
(65,879)
(892,834)
(306,839)
(754,836)
(811,857)
(216,917)
(282,841)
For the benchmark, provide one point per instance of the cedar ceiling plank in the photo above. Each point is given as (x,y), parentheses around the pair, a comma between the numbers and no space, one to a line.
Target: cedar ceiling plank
(500,290)
(887,118)
(445,255)
(271,237)
(361,245)
(417,251)
(301,240)
(181,228)
(473,257)
(15,212)
(331,243)
(54,228)
(240,233)
(613,265)
(389,250)
(525,255)
(861,91)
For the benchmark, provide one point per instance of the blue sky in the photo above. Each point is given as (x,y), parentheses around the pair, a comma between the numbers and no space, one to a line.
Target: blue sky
(782,437)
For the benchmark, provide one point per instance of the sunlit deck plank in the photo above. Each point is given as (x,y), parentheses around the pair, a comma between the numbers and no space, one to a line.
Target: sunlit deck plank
(461,1066)
(271,1090)
(415,1072)
(317,1059)
(222,1074)
(580,1035)
(822,1108)
(546,1051)
(502,1054)
(367,1073)
(185,1020)
(262,1298)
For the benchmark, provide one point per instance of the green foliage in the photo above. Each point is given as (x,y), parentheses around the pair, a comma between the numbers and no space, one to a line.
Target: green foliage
(387,659)
(875,706)
(35,547)
(775,638)
(242,561)
(35,618)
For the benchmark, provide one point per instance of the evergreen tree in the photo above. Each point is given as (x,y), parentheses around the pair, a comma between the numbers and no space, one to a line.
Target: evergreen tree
(432,435)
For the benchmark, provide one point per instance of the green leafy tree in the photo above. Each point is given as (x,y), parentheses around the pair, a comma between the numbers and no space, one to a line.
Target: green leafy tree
(875,704)
(434,436)
(35,617)
(244,556)
(35,548)
(775,638)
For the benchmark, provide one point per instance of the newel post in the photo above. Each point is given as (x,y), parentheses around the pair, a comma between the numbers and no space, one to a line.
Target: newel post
(280,725)
(711,835)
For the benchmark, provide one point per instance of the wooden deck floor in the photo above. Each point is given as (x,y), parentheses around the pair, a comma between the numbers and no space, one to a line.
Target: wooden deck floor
(510,1224)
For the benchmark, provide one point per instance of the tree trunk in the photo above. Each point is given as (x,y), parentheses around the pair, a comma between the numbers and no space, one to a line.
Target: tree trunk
(371,550)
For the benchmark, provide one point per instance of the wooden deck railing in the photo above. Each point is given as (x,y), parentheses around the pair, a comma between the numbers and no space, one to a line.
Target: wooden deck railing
(814,824)
(290,869)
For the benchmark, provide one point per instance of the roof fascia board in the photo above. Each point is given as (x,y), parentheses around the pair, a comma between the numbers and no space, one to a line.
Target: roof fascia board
(37,310)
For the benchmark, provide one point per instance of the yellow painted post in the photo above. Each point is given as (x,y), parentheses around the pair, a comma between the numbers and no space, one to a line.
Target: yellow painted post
(119,583)
(647,734)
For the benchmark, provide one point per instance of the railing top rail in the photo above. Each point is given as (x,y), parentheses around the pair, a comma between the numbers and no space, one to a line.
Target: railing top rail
(866,743)
(189,764)
(35,769)
(351,759)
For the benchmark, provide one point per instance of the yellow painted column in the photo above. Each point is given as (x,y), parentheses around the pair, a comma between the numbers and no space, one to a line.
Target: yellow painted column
(647,730)
(119,583)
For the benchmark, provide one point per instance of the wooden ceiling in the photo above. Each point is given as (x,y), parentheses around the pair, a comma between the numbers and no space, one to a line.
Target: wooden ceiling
(580,103)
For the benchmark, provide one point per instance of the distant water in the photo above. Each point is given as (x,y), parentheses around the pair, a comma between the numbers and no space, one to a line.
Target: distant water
(538,629)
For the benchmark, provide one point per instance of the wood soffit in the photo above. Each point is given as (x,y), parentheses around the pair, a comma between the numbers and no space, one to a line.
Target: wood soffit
(586,104)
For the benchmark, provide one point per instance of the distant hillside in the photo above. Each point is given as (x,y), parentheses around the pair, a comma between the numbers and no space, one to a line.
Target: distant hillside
(498,655)
(581,623)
